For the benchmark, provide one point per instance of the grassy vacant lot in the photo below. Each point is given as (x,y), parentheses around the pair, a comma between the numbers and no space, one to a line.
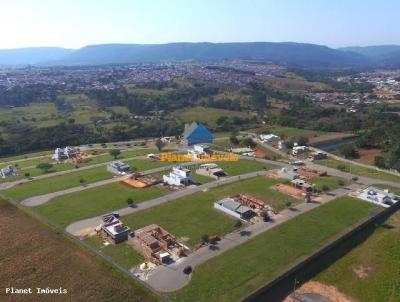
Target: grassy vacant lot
(70,180)
(270,253)
(203,115)
(370,272)
(294,132)
(192,216)
(32,255)
(57,183)
(122,253)
(25,156)
(29,165)
(243,166)
(336,164)
(96,201)
(327,183)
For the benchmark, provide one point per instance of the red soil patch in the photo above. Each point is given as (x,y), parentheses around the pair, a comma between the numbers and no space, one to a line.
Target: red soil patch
(321,289)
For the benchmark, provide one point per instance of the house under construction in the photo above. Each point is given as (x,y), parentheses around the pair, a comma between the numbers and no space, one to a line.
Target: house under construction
(138,180)
(112,229)
(157,245)
(308,173)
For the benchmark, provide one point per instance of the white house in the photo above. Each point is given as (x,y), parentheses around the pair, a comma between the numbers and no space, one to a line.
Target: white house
(178,177)
(378,196)
(8,171)
(197,150)
(118,167)
(269,138)
(297,150)
(63,153)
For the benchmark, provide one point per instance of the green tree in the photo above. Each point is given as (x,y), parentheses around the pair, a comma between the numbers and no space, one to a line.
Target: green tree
(349,151)
(205,239)
(159,144)
(302,141)
(379,161)
(129,201)
(115,153)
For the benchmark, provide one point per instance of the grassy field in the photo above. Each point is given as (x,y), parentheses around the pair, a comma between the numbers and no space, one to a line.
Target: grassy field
(122,253)
(32,255)
(24,156)
(203,115)
(192,216)
(243,166)
(70,180)
(328,182)
(294,132)
(333,163)
(29,165)
(57,183)
(96,201)
(270,253)
(370,272)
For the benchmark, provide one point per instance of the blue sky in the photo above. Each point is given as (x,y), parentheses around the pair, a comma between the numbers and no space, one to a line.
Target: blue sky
(75,23)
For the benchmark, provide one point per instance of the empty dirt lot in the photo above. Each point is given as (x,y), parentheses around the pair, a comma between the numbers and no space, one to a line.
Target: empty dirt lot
(32,255)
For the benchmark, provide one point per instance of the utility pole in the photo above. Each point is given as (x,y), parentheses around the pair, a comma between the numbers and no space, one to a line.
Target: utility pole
(294,289)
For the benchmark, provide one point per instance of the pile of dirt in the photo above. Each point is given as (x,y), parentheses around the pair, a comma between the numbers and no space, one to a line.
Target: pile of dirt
(331,293)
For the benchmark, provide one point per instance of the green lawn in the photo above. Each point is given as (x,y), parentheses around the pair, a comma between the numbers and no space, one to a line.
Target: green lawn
(122,253)
(270,253)
(327,182)
(243,166)
(57,167)
(24,156)
(379,258)
(294,132)
(333,163)
(204,115)
(192,216)
(96,201)
(69,180)
(57,183)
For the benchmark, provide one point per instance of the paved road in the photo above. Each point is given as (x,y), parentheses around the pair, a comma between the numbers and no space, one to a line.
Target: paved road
(168,278)
(355,163)
(86,226)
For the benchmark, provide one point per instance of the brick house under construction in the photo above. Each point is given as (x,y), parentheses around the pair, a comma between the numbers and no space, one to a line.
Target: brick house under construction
(157,244)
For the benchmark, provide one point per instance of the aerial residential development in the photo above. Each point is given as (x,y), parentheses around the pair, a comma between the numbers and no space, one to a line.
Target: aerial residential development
(136,166)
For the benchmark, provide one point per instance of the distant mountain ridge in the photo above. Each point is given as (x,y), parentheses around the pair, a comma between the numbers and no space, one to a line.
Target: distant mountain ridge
(292,54)
(31,55)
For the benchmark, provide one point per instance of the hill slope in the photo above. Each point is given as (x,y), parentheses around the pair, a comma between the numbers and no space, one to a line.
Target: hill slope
(293,54)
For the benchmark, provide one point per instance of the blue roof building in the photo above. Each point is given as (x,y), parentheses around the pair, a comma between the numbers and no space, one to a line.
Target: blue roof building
(197,134)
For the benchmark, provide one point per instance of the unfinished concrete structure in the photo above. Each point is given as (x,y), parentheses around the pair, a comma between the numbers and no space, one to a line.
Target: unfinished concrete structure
(118,167)
(8,171)
(138,180)
(112,229)
(211,170)
(308,173)
(157,245)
